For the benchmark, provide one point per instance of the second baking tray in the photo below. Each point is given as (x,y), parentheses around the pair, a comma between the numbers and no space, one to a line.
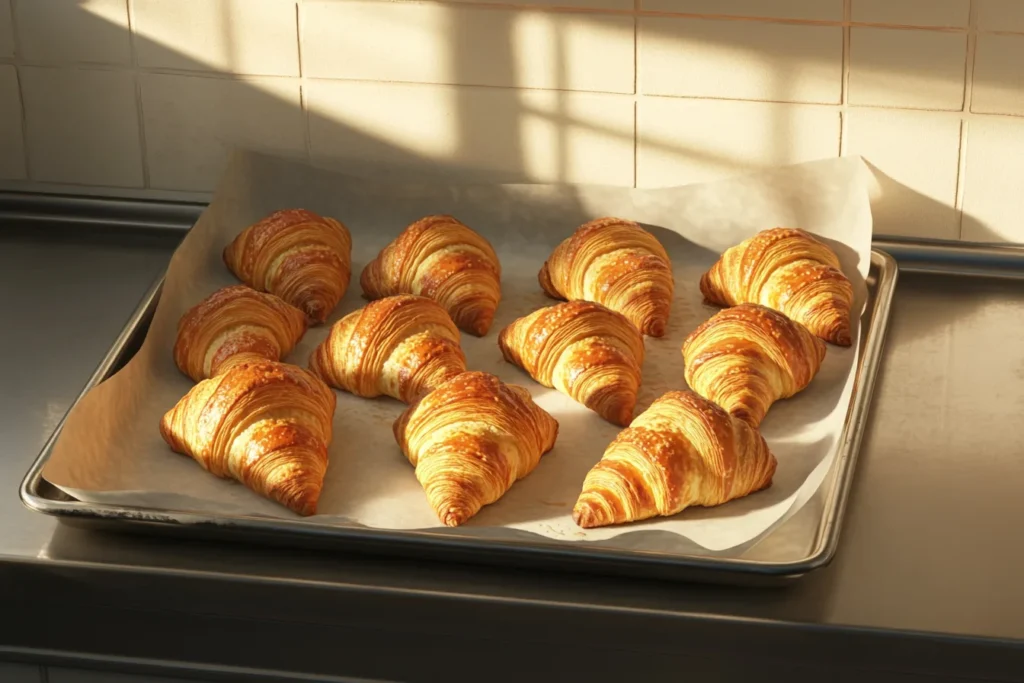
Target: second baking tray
(802,543)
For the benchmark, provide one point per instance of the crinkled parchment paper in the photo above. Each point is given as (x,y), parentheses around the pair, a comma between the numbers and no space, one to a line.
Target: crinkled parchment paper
(110,450)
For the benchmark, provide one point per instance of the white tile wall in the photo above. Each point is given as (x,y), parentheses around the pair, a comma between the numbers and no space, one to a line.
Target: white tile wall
(62,32)
(145,97)
(913,12)
(904,68)
(822,10)
(12,146)
(81,126)
(999,75)
(993,201)
(235,36)
(509,48)
(1000,15)
(529,135)
(6,31)
(688,141)
(191,124)
(742,60)
(578,4)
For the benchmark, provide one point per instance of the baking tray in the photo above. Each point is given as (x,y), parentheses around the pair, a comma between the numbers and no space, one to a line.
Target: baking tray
(804,542)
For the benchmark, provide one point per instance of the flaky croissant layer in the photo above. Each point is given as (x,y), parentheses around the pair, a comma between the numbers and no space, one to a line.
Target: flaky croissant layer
(401,346)
(266,425)
(304,258)
(682,451)
(747,357)
(790,271)
(583,349)
(616,263)
(440,258)
(470,440)
(232,325)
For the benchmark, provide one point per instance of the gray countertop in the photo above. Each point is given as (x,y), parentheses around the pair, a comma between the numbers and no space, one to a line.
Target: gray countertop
(927,579)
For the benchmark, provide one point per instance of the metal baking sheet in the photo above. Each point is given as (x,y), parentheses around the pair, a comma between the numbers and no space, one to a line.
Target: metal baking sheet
(109,452)
(804,542)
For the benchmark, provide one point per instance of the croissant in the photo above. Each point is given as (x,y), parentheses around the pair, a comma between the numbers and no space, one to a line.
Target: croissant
(440,258)
(682,451)
(265,424)
(747,357)
(402,346)
(617,263)
(470,440)
(301,257)
(586,351)
(788,270)
(232,325)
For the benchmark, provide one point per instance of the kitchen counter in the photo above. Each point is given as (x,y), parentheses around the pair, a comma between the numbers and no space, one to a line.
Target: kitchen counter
(926,582)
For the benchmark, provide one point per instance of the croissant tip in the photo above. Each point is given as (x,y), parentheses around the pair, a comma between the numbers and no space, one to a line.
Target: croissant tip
(655,328)
(304,504)
(315,312)
(480,327)
(453,517)
(306,510)
(587,516)
(622,417)
(842,338)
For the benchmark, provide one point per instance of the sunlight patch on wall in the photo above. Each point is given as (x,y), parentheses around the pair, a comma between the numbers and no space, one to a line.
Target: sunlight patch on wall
(577,137)
(573,52)
(776,62)
(377,41)
(235,36)
(688,141)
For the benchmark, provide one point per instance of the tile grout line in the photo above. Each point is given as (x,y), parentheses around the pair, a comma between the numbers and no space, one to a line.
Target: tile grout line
(636,93)
(303,86)
(137,81)
(26,158)
(844,86)
(638,11)
(211,75)
(24,127)
(15,39)
(961,174)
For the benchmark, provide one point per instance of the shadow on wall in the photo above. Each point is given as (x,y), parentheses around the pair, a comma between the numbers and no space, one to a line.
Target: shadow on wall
(502,134)
(900,210)
(484,134)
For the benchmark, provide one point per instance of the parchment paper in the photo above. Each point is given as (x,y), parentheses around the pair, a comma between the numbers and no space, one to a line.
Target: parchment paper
(110,450)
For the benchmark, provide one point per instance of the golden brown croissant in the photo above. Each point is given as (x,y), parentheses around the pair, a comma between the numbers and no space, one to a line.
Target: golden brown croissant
(470,440)
(301,257)
(747,357)
(617,263)
(440,258)
(788,270)
(232,325)
(264,424)
(682,451)
(584,350)
(402,346)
